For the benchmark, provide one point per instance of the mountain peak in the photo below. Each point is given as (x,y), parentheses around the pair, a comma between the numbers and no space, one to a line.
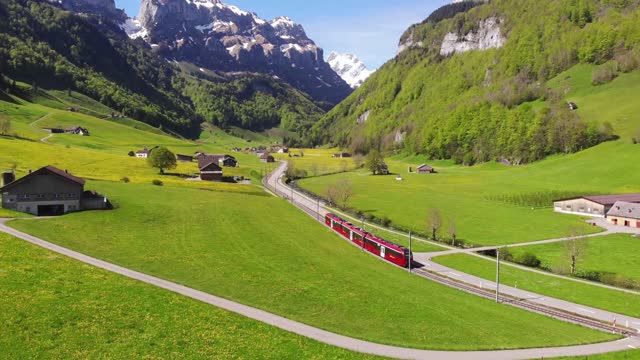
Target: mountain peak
(349,68)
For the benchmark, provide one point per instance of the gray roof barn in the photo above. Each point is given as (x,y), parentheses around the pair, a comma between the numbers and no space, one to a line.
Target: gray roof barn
(625,210)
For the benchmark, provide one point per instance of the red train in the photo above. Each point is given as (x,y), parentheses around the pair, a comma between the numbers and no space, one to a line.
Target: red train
(389,251)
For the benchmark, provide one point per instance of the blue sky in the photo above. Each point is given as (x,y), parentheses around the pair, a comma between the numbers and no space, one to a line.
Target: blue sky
(368,28)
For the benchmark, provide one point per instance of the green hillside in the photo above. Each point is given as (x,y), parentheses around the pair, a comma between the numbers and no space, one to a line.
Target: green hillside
(496,104)
(78,58)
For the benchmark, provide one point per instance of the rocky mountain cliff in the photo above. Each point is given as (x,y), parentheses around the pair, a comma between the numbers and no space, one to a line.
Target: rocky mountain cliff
(349,68)
(223,37)
(474,82)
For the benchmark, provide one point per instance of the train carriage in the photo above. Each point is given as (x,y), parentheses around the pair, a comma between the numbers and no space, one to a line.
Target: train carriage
(389,251)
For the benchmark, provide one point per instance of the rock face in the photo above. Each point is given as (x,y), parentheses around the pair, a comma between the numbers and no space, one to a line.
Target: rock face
(349,68)
(488,36)
(223,37)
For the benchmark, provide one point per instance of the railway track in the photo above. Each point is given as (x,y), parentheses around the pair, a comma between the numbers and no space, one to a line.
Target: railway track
(523,304)
(488,294)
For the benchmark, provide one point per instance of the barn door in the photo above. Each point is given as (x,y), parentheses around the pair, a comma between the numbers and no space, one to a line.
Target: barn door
(382,251)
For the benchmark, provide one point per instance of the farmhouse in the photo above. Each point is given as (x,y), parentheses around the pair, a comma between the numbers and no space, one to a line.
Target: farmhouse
(425,169)
(596,206)
(143,154)
(210,170)
(625,214)
(77,130)
(49,191)
(222,160)
(266,158)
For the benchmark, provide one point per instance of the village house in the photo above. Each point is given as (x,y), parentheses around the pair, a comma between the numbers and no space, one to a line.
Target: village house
(284,150)
(77,130)
(220,159)
(425,169)
(210,170)
(624,214)
(596,206)
(49,191)
(143,154)
(266,158)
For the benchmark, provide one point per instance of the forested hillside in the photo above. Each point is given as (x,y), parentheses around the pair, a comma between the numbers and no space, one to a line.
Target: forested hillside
(47,47)
(490,103)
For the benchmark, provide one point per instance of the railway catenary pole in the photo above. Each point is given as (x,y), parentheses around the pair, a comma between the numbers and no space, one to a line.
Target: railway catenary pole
(497,275)
(410,253)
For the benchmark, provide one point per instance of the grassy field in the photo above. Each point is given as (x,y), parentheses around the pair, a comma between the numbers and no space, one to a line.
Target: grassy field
(478,197)
(601,298)
(293,267)
(615,254)
(54,307)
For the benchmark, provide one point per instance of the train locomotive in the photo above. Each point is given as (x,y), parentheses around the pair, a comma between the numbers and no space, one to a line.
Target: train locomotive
(389,251)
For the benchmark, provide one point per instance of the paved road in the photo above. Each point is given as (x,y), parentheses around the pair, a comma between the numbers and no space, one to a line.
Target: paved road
(325,336)
(33,125)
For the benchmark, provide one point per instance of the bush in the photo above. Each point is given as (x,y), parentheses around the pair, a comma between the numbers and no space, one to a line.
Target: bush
(385,221)
(157,182)
(125,179)
(618,281)
(604,74)
(131,153)
(529,259)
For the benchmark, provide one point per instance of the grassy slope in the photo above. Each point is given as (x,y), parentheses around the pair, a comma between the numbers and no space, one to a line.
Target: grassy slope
(55,307)
(585,294)
(300,270)
(465,191)
(618,254)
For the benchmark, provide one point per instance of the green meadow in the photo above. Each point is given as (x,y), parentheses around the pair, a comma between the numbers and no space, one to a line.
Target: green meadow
(611,254)
(580,293)
(482,198)
(57,308)
(238,242)
(260,251)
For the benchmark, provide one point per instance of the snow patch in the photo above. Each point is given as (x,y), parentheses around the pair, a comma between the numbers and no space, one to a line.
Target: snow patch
(133,28)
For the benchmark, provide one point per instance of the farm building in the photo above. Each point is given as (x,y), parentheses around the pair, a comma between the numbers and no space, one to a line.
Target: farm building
(49,191)
(342,155)
(210,170)
(266,158)
(143,154)
(597,205)
(184,158)
(54,130)
(625,214)
(425,169)
(221,160)
(77,130)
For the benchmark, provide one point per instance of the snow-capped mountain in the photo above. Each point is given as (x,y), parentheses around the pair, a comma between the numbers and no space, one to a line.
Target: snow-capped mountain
(223,37)
(349,68)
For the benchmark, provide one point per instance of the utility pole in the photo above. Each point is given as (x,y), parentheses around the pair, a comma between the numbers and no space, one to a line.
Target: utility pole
(497,275)
(410,253)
